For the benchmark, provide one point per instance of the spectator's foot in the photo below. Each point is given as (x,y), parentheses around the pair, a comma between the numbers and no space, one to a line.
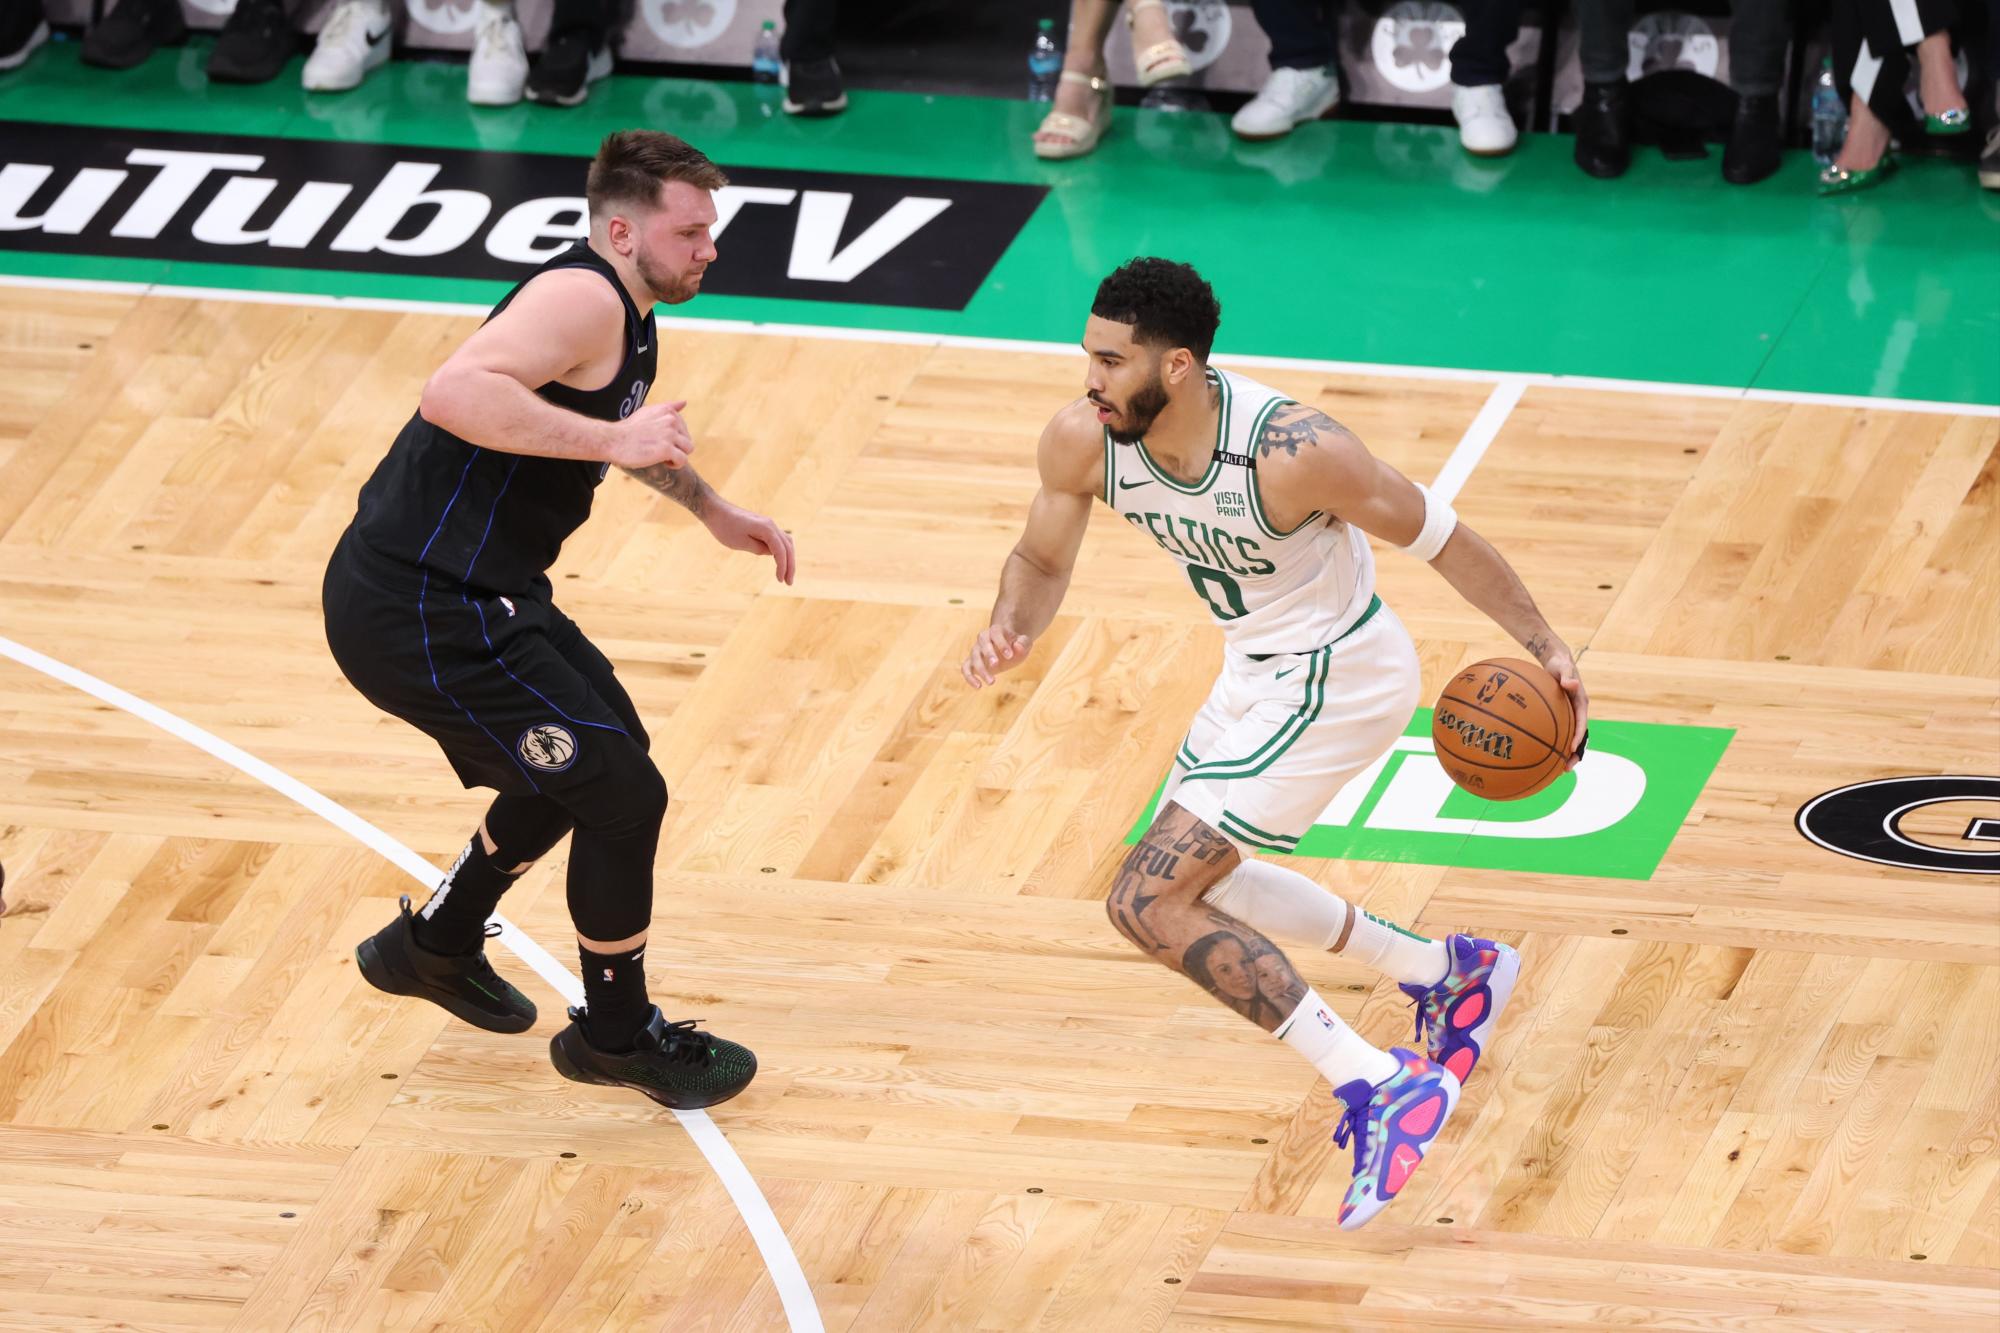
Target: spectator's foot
(1989,161)
(812,88)
(1484,126)
(1156,53)
(1945,111)
(1603,130)
(1081,116)
(21,31)
(354,40)
(1836,179)
(1288,99)
(498,70)
(133,31)
(1754,148)
(573,60)
(255,43)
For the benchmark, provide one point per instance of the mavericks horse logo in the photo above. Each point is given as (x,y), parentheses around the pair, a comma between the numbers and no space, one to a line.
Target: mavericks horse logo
(547,746)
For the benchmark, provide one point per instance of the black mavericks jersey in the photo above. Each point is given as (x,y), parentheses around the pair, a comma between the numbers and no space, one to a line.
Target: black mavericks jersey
(491,519)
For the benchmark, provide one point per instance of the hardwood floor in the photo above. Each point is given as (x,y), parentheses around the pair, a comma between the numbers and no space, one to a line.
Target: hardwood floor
(1758,1090)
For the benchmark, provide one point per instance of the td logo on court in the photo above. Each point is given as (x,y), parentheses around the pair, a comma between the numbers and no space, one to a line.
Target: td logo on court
(1613,818)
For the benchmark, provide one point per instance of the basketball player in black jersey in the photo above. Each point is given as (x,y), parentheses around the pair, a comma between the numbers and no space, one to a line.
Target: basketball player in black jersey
(438,610)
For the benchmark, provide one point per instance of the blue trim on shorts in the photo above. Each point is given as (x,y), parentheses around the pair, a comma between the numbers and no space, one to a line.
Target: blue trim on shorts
(422,592)
(501,663)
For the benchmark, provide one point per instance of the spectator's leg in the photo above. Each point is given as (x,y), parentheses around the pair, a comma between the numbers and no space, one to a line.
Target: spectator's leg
(1758,34)
(1301,32)
(808,31)
(1083,55)
(1603,28)
(1480,56)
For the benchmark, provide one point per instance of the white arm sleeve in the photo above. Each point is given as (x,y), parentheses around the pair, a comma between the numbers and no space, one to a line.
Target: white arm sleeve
(1440,521)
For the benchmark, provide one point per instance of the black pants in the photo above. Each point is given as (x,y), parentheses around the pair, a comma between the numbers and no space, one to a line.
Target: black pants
(1759,32)
(1873,53)
(1301,31)
(1480,57)
(808,30)
(520,701)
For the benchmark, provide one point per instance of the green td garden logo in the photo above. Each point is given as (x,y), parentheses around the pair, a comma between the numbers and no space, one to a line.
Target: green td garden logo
(1614,817)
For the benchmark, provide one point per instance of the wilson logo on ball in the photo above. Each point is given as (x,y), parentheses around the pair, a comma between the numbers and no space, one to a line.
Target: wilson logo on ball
(1471,736)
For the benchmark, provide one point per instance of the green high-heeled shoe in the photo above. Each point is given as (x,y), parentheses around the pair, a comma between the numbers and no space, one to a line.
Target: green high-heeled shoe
(1956,121)
(1839,180)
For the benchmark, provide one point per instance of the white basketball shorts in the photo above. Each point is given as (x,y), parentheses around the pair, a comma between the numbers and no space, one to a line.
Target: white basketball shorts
(1278,738)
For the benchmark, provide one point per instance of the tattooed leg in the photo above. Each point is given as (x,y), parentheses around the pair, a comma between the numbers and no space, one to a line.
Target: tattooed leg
(1155,902)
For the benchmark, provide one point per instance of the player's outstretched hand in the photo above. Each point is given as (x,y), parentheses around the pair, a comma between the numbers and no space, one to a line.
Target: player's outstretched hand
(996,649)
(653,436)
(1563,667)
(741,530)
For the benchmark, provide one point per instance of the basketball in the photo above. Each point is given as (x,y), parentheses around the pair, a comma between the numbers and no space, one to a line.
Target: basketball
(1502,728)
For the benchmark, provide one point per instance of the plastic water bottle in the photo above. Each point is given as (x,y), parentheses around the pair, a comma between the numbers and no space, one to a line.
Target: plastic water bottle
(1045,59)
(1829,116)
(765,65)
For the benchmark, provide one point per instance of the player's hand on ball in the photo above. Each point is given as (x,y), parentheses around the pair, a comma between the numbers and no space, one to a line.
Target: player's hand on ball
(741,530)
(996,649)
(653,436)
(1563,667)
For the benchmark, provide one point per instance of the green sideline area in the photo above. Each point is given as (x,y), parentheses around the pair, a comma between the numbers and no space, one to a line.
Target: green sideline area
(1349,241)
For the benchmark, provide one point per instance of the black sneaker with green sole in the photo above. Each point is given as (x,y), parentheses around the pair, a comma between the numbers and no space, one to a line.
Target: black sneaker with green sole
(463,985)
(675,1064)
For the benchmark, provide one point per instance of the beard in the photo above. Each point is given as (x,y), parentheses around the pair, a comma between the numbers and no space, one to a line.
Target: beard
(669,288)
(1130,425)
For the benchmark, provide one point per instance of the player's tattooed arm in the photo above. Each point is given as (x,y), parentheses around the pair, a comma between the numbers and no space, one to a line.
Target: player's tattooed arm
(681,484)
(1295,426)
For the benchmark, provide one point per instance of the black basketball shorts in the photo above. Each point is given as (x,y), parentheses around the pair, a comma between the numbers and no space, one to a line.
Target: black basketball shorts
(508,686)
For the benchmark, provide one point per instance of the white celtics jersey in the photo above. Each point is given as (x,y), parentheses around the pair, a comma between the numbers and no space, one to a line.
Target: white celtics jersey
(1271,591)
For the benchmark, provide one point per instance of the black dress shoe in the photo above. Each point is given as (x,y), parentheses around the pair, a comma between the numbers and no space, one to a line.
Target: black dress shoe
(131,32)
(1753,150)
(1604,130)
(255,43)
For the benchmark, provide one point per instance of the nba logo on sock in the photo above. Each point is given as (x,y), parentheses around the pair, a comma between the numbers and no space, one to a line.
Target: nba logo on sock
(607,974)
(1325,1019)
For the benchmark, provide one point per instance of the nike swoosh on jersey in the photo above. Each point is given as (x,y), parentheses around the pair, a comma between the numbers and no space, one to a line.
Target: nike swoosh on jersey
(1124,485)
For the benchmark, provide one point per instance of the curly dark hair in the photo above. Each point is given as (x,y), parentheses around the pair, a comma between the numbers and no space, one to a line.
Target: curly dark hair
(1168,304)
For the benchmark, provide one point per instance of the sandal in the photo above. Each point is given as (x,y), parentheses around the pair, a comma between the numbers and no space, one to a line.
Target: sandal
(1081,134)
(1162,60)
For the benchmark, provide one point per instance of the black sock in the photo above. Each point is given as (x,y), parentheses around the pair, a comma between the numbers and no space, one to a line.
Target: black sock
(454,920)
(615,1002)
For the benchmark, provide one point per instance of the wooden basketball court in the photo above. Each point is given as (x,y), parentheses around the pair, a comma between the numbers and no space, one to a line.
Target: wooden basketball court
(1760,1090)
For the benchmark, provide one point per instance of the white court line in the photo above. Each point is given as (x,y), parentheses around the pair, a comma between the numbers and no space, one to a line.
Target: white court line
(783,1265)
(1378,370)
(1472,446)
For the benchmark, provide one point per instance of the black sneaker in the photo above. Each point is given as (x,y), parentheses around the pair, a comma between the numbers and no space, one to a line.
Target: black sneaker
(132,32)
(571,61)
(21,31)
(812,88)
(1754,148)
(1604,130)
(673,1063)
(255,43)
(463,985)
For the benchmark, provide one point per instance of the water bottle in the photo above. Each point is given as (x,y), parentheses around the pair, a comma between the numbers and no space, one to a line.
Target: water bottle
(1045,59)
(765,66)
(1829,116)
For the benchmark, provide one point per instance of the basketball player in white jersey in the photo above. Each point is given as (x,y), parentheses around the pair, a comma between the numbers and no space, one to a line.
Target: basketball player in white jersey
(1264,503)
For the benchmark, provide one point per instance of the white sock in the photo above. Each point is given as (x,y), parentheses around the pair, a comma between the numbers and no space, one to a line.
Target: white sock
(1280,902)
(1396,952)
(1332,1047)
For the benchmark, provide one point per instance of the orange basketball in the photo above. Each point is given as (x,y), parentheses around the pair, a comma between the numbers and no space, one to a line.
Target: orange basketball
(1502,728)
